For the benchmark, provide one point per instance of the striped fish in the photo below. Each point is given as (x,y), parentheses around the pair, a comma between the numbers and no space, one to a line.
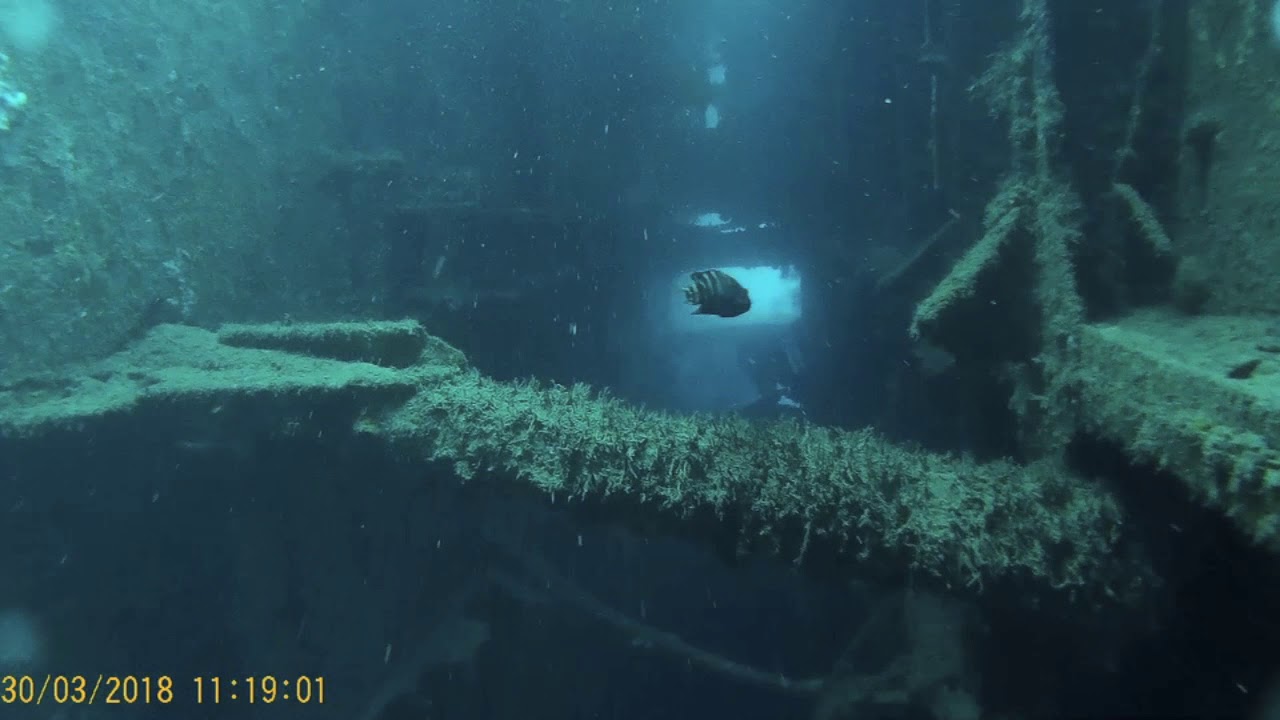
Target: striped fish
(715,292)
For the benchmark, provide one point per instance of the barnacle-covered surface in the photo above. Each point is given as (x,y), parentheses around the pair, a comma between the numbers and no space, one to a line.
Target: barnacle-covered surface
(831,500)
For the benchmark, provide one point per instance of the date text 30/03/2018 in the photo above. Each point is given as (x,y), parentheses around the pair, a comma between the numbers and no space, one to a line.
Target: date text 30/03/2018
(159,690)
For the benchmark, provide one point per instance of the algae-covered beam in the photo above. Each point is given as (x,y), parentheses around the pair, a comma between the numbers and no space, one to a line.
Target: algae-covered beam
(1146,219)
(840,503)
(1002,220)
(812,495)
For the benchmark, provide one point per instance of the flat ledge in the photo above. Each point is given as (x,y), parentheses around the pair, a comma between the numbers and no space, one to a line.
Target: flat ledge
(1199,396)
